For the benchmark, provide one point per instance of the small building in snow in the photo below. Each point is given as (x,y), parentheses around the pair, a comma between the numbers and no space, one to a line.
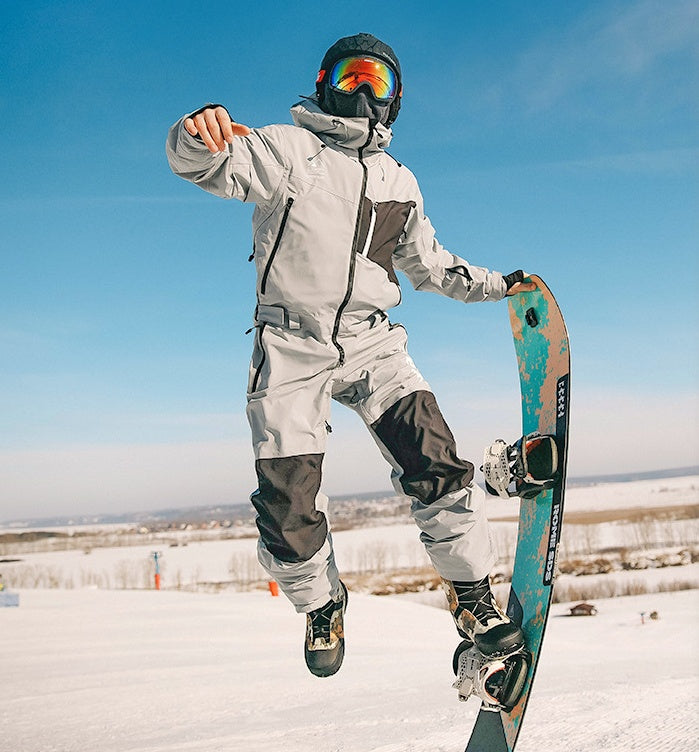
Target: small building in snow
(583,609)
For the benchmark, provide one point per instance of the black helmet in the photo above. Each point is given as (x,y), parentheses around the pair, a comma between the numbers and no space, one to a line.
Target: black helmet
(359,44)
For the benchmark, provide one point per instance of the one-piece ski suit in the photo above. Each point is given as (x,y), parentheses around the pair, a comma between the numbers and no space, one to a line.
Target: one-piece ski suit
(335,217)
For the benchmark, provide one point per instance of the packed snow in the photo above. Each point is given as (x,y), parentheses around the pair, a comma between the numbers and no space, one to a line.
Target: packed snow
(148,671)
(94,664)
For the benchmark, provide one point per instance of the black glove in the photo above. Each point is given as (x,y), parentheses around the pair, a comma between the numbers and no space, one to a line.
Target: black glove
(512,278)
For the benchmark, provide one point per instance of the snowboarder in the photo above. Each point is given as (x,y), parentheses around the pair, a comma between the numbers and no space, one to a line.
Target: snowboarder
(335,216)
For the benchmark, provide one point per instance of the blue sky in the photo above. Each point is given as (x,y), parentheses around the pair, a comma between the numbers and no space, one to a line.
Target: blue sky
(560,138)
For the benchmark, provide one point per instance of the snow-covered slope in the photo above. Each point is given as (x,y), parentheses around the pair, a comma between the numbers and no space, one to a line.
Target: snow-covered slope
(648,494)
(145,671)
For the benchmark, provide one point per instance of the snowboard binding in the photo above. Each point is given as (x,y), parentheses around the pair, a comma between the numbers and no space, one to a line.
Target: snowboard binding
(524,469)
(497,682)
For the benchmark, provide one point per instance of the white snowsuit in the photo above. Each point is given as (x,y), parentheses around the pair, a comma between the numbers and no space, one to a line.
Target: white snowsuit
(335,216)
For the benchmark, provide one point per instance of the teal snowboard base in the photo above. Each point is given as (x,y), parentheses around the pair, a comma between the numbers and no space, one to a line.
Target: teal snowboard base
(543,356)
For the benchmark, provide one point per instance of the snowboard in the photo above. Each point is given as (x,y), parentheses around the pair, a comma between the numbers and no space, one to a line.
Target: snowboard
(543,357)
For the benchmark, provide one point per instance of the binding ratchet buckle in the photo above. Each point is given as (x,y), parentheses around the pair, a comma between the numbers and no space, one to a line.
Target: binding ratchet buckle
(498,683)
(524,469)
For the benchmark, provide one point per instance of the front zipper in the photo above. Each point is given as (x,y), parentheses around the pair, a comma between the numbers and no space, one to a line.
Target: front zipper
(277,243)
(355,244)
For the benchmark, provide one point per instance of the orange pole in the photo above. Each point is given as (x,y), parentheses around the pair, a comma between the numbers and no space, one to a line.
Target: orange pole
(156,559)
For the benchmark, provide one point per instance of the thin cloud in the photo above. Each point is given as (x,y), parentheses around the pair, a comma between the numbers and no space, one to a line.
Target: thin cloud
(616,44)
(123,477)
(655,162)
(609,434)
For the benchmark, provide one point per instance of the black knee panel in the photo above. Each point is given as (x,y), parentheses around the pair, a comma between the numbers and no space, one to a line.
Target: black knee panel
(418,438)
(290,526)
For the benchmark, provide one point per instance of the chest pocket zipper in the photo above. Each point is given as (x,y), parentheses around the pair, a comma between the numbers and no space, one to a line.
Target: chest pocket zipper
(277,243)
(370,231)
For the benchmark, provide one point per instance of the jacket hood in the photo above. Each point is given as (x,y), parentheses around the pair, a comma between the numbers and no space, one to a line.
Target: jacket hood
(346,133)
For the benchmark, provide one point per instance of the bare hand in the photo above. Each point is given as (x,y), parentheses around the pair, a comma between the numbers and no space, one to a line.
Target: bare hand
(215,127)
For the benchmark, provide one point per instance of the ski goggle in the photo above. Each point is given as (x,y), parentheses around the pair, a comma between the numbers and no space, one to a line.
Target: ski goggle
(351,72)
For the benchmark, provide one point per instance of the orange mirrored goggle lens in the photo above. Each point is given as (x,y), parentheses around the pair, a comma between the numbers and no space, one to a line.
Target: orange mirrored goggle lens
(351,72)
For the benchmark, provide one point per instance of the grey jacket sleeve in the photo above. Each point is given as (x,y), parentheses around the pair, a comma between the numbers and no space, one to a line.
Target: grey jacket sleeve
(250,169)
(430,267)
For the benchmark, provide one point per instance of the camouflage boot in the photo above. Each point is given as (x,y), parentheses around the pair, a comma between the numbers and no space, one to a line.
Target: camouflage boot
(480,620)
(325,637)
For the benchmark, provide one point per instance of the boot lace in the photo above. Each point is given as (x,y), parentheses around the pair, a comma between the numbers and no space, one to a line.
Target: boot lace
(320,620)
(477,599)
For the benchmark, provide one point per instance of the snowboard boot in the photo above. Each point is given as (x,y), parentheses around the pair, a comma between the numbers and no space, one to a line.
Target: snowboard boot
(525,469)
(480,620)
(324,649)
